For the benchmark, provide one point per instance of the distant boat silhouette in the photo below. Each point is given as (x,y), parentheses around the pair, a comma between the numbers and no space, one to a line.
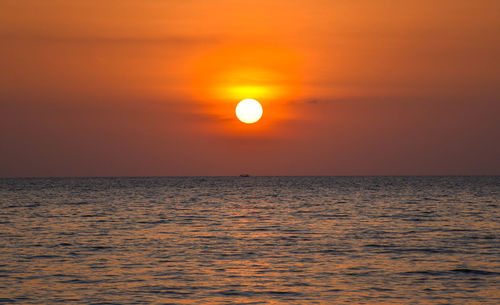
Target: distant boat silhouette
(244,175)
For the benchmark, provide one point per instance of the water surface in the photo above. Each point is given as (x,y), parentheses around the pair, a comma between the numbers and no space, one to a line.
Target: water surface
(256,240)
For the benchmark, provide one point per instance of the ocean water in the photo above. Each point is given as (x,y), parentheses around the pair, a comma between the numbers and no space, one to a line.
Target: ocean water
(256,240)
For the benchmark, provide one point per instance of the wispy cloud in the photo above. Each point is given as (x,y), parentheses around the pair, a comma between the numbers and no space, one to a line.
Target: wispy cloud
(177,40)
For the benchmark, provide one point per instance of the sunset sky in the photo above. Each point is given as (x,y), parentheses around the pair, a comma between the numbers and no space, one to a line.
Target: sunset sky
(149,88)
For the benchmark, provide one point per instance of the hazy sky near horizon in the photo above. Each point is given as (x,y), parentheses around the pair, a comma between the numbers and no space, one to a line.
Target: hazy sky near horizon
(132,87)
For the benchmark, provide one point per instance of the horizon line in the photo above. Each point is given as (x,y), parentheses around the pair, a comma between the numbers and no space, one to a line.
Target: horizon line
(251,176)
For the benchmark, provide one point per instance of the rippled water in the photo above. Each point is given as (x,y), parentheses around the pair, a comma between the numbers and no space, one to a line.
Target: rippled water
(257,240)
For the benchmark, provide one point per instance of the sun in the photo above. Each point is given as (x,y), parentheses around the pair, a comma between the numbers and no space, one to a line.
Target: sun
(249,111)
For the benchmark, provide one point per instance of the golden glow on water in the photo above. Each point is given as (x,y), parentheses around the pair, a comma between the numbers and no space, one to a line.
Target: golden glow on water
(275,240)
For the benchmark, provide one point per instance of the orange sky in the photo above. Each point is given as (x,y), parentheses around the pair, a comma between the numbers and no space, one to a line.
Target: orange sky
(132,87)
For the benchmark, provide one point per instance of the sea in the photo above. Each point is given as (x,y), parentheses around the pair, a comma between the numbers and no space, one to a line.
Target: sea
(250,240)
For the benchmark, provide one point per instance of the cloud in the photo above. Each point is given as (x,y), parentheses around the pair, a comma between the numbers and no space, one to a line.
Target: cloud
(177,40)
(206,117)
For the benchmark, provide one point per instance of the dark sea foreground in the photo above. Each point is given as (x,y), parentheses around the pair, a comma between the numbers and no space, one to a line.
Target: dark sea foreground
(256,240)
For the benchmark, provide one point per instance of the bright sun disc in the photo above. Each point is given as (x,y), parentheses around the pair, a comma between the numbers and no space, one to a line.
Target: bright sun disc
(249,111)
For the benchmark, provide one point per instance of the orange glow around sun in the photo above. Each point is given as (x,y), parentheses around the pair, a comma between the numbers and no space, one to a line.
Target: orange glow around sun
(227,75)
